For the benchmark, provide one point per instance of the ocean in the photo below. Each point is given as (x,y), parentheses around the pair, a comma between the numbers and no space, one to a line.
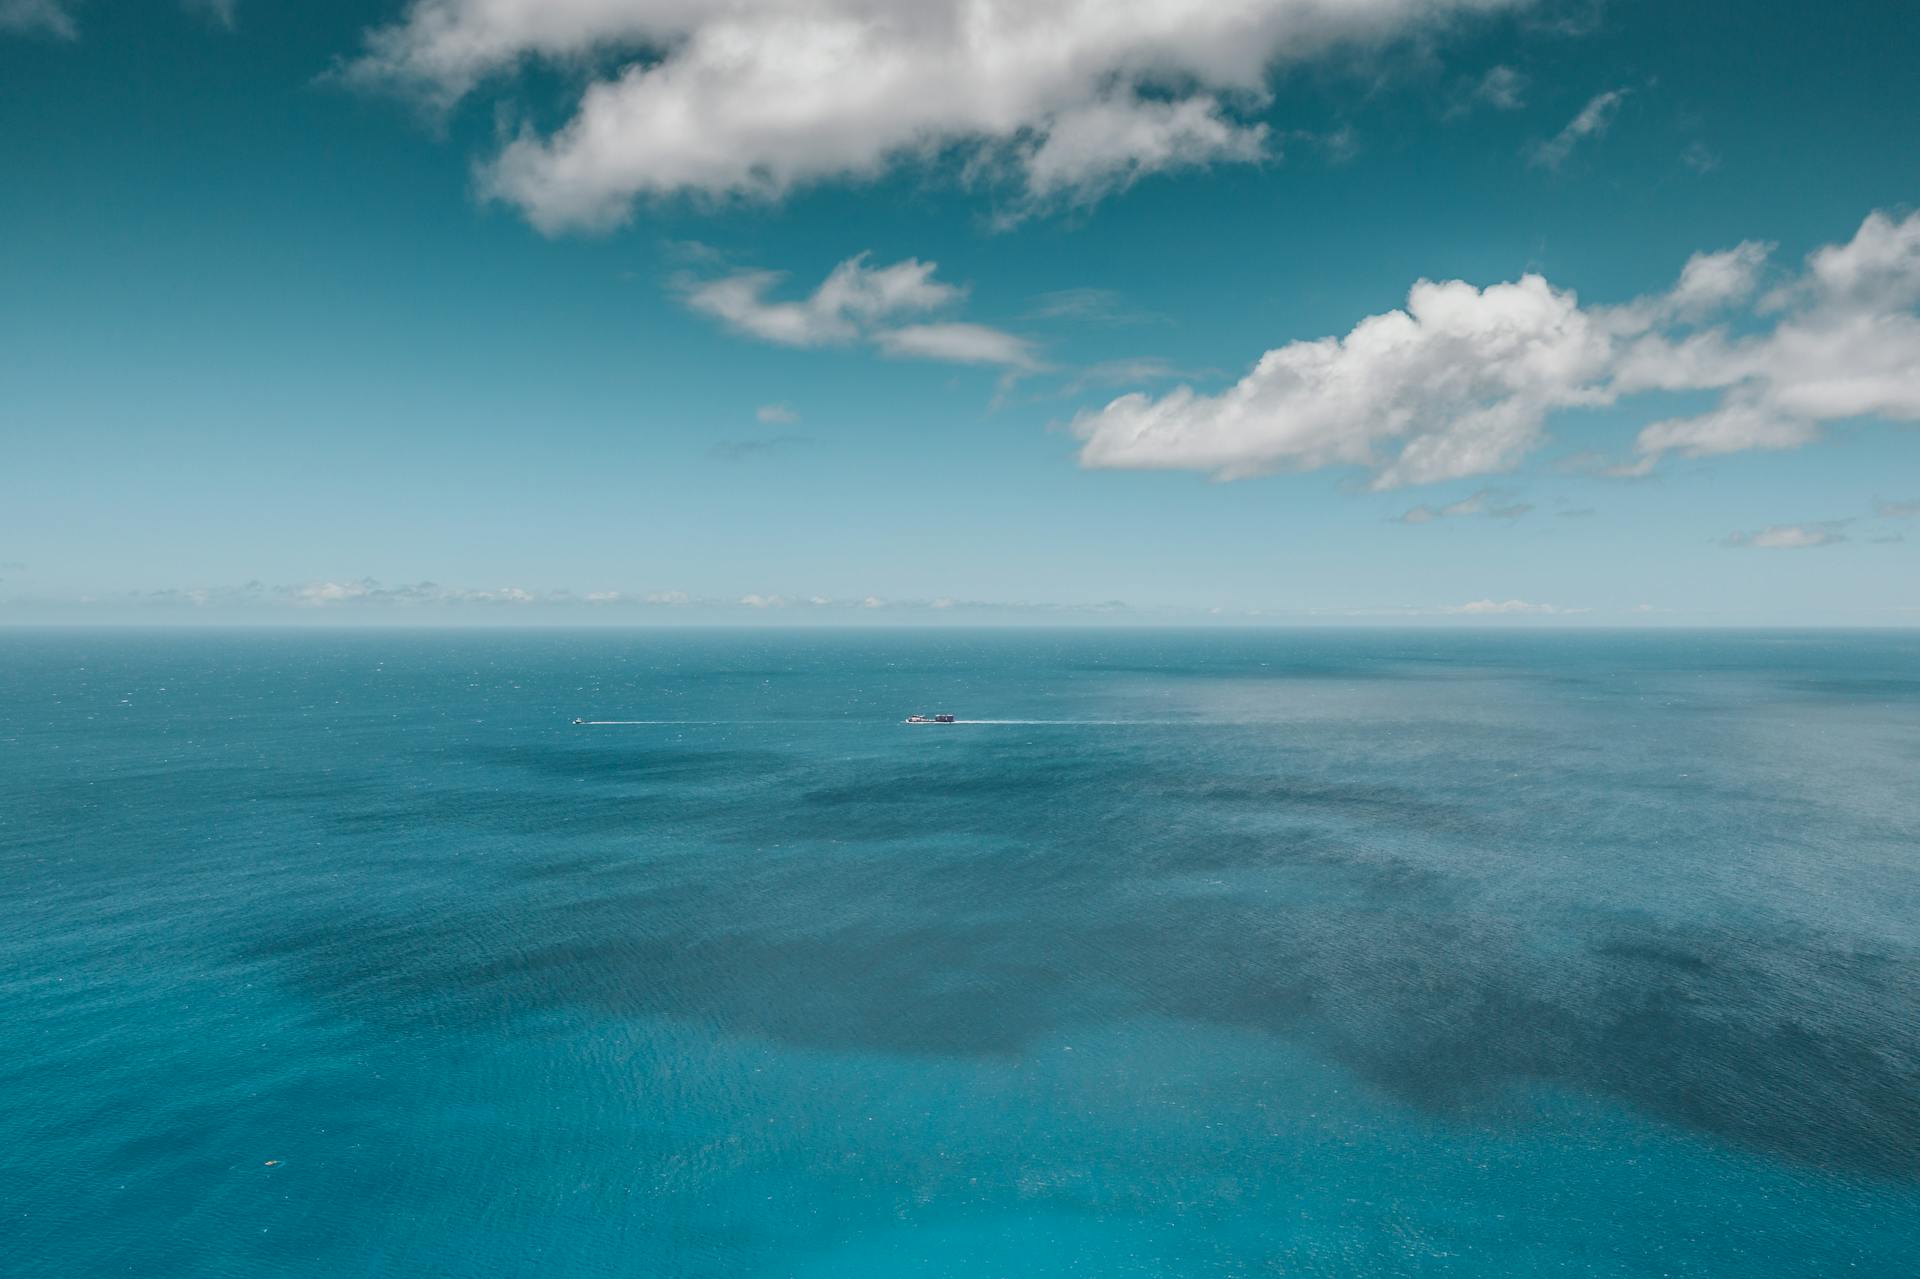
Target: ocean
(1231,953)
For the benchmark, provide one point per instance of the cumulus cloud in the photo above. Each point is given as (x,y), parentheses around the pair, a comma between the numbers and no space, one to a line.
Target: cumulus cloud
(1457,384)
(1845,344)
(38,17)
(1593,122)
(1074,98)
(1462,381)
(859,302)
(1791,537)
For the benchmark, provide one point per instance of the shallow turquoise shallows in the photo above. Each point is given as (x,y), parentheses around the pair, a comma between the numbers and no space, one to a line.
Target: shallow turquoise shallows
(1265,954)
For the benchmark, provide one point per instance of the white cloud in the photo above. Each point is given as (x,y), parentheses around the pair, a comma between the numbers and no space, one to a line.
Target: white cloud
(1457,384)
(1732,428)
(1501,88)
(1486,502)
(368,591)
(1089,306)
(753,97)
(1700,157)
(1463,380)
(1508,608)
(776,414)
(958,344)
(852,296)
(1092,149)
(38,17)
(1846,344)
(1593,122)
(1712,281)
(855,302)
(1791,537)
(1897,510)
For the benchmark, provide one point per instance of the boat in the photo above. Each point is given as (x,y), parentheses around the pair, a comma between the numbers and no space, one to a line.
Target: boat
(930,719)
(578,722)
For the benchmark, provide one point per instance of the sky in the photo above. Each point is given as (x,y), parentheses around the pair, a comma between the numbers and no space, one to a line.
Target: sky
(1523,313)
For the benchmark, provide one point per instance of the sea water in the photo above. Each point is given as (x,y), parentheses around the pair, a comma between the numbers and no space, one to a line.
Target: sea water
(1236,953)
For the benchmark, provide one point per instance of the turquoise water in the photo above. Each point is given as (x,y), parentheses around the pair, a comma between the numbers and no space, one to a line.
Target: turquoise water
(334,954)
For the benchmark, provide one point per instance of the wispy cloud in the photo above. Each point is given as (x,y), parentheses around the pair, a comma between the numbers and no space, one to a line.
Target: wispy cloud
(1700,157)
(1089,306)
(38,17)
(958,343)
(1487,502)
(744,450)
(776,415)
(1502,88)
(369,597)
(852,297)
(1593,121)
(219,12)
(858,302)
(1791,537)
(1509,608)
(1908,510)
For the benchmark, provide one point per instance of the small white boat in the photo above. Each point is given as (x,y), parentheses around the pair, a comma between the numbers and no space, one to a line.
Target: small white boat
(930,719)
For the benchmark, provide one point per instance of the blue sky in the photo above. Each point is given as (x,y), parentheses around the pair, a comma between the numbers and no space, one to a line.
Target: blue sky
(933,312)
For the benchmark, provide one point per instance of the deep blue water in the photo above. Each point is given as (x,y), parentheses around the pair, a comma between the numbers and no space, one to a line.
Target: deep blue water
(1313,954)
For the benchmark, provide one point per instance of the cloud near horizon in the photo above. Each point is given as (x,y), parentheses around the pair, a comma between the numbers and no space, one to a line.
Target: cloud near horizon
(415,603)
(1070,99)
(1461,382)
(370,595)
(1791,537)
(1510,608)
